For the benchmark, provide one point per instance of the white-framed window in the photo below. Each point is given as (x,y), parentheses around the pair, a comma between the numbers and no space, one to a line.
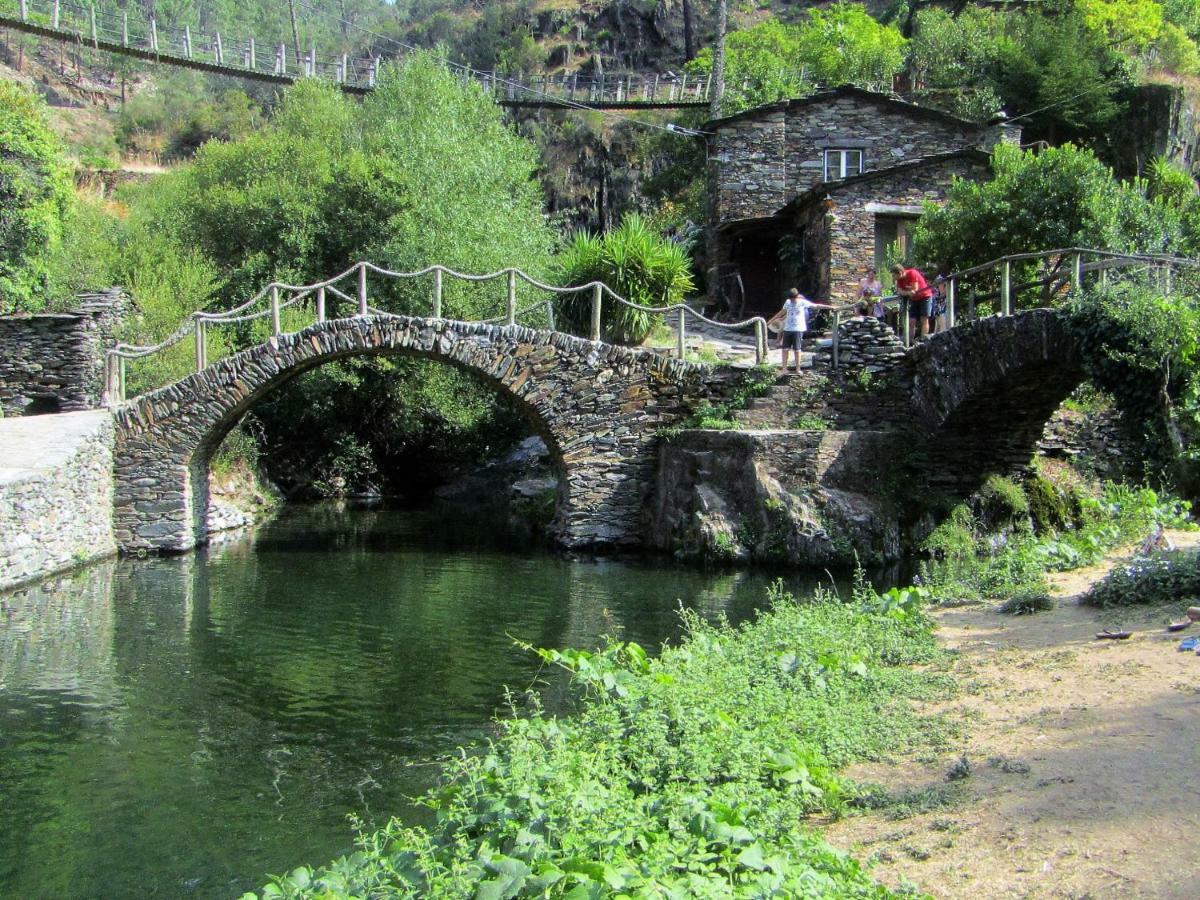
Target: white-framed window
(841,164)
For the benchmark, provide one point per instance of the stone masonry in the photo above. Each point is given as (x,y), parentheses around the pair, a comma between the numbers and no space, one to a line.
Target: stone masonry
(929,424)
(55,362)
(837,252)
(762,159)
(597,406)
(56,493)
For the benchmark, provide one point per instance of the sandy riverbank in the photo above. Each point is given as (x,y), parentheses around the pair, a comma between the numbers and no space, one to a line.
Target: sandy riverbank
(1084,756)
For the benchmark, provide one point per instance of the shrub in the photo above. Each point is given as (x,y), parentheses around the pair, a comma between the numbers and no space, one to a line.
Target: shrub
(684,776)
(634,261)
(1164,578)
(35,198)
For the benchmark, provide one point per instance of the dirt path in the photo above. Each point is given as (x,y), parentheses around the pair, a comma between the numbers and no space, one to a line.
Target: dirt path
(1081,753)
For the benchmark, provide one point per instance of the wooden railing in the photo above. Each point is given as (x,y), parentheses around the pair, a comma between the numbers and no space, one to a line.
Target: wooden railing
(276,297)
(1067,274)
(242,56)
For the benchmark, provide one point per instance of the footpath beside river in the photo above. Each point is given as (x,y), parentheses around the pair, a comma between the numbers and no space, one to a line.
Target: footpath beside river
(1083,756)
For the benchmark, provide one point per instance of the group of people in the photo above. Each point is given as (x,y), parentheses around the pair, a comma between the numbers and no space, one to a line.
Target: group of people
(924,303)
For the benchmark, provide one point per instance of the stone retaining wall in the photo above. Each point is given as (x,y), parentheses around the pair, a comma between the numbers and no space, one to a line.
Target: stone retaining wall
(54,362)
(800,497)
(56,494)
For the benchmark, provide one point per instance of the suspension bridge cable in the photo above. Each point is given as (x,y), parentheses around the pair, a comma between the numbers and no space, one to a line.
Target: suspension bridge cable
(474,73)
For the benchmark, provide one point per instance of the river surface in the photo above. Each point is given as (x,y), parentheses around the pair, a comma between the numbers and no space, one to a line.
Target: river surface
(180,727)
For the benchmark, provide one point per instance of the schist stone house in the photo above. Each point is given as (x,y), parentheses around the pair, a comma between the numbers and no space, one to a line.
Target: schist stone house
(808,192)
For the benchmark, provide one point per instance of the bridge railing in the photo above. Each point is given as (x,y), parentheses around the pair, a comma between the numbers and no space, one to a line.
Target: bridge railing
(353,286)
(1064,272)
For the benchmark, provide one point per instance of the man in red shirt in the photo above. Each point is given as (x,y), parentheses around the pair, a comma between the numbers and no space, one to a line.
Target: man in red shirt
(917,294)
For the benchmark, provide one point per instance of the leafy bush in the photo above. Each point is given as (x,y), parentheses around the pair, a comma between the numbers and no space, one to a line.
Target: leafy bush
(687,775)
(969,562)
(634,261)
(35,198)
(1163,578)
(1060,197)
(1144,349)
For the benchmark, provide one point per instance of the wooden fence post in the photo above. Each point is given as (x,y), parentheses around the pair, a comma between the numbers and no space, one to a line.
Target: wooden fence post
(1077,273)
(275,329)
(253,60)
(187,41)
(320,304)
(681,338)
(951,291)
(1006,289)
(56,15)
(201,345)
(511,317)
(95,36)
(597,302)
(154,35)
(835,343)
(362,289)
(24,11)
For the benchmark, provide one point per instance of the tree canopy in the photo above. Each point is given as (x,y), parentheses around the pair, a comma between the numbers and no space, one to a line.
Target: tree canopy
(35,198)
(770,61)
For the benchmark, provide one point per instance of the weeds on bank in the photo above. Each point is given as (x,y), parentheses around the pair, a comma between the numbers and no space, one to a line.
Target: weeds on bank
(973,560)
(1165,578)
(689,775)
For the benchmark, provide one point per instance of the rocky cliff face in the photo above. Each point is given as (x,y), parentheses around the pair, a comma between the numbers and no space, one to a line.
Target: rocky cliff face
(799,497)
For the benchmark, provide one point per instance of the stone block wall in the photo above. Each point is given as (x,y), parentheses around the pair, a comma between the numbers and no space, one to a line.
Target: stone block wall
(54,362)
(56,493)
(851,229)
(764,158)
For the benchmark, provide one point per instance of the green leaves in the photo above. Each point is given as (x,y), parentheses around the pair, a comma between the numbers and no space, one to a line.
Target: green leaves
(689,775)
(840,45)
(35,198)
(634,261)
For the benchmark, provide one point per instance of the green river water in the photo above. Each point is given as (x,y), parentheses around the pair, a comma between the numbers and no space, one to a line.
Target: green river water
(180,727)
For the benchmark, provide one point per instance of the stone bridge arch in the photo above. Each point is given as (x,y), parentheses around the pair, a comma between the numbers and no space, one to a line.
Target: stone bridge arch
(599,407)
(984,391)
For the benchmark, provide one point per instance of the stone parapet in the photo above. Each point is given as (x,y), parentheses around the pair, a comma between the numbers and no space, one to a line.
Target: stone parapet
(56,494)
(54,362)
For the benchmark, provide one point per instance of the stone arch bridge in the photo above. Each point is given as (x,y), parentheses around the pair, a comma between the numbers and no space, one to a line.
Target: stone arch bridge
(974,399)
(599,408)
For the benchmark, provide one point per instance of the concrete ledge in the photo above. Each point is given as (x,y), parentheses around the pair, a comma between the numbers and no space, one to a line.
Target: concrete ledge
(56,494)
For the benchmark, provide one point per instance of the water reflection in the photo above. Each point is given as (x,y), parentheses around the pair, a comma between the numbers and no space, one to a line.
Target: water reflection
(178,727)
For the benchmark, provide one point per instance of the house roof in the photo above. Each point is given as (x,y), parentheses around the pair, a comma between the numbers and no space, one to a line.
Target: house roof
(846,90)
(828,188)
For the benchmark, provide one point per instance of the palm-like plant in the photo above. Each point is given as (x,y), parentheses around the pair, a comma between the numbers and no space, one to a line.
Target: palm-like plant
(637,263)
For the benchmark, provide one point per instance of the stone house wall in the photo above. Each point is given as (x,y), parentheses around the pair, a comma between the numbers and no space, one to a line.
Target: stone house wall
(851,223)
(55,362)
(764,158)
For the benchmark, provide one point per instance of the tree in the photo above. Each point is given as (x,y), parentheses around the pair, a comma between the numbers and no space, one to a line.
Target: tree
(1062,76)
(35,198)
(423,171)
(1061,197)
(771,61)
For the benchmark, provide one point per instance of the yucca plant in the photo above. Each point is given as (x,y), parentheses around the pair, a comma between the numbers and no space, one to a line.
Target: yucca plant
(635,261)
